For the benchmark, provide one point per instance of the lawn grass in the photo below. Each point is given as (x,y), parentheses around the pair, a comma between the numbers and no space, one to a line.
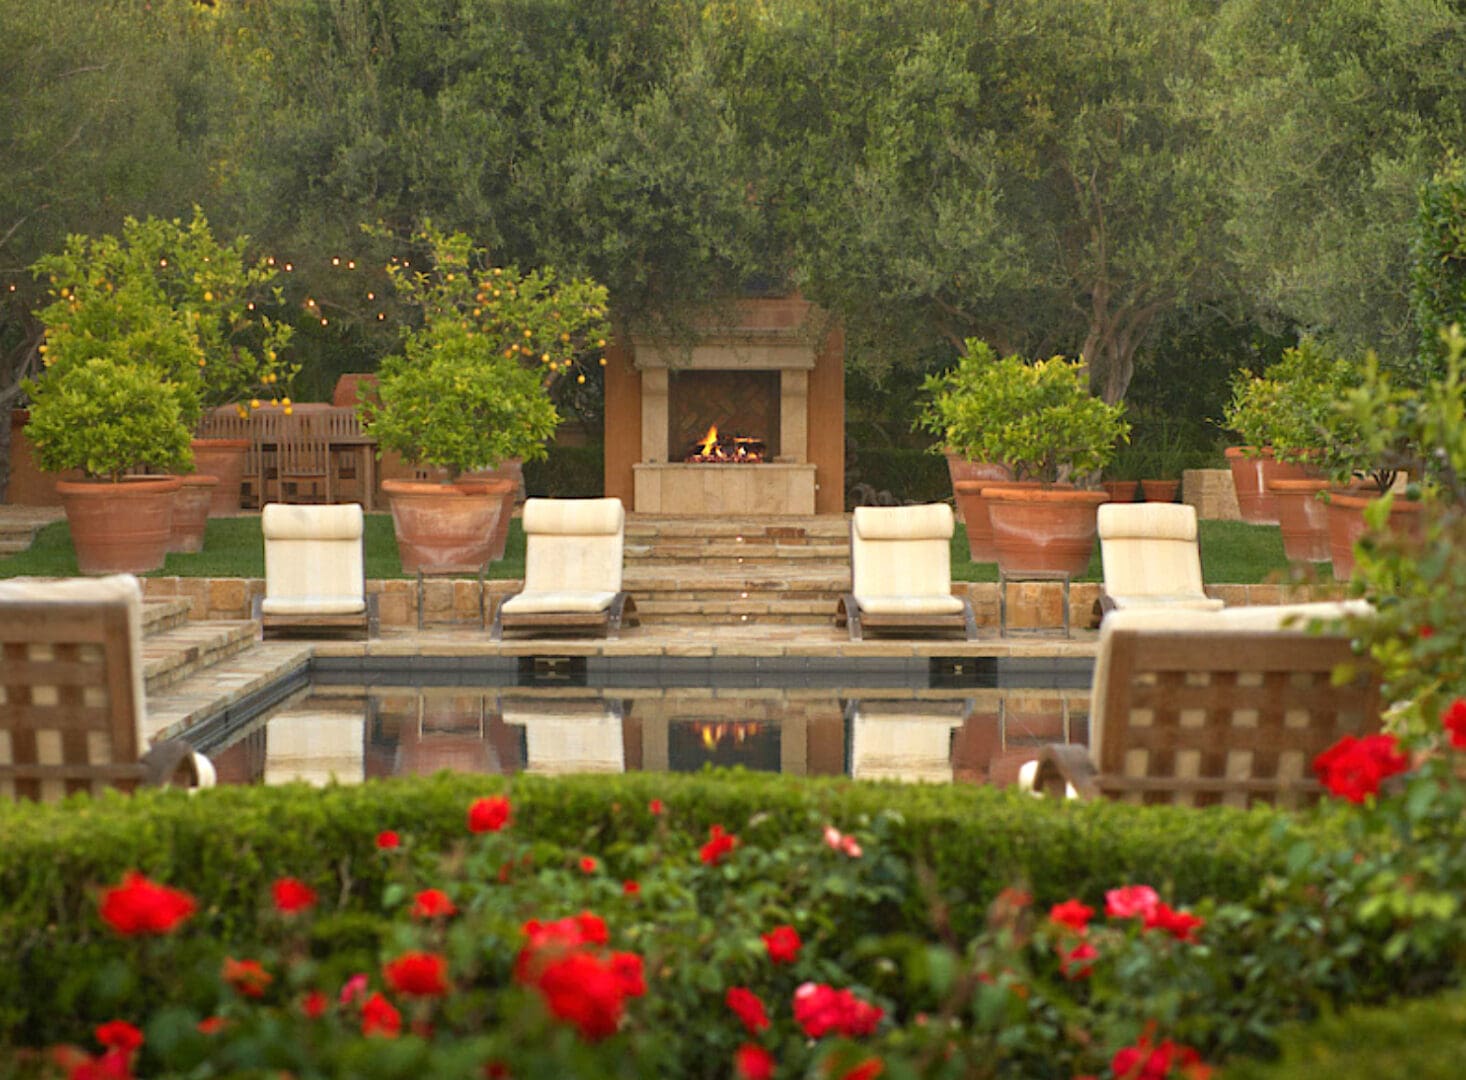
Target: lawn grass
(1232,552)
(233,547)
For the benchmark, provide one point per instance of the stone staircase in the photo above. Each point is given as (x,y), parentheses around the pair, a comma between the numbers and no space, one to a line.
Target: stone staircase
(175,647)
(737,570)
(19,525)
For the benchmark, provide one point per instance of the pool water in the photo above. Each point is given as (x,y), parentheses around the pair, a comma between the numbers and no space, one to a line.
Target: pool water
(349,733)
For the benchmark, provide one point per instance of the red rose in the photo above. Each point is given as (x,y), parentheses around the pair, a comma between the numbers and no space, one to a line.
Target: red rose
(1454,721)
(211,1025)
(419,974)
(1076,963)
(630,888)
(588,864)
(140,906)
(388,839)
(584,991)
(119,1035)
(489,814)
(718,846)
(1181,925)
(378,1017)
(314,1004)
(1354,768)
(752,1062)
(1071,913)
(247,977)
(628,968)
(748,1008)
(821,1009)
(432,904)
(547,940)
(1131,902)
(1143,1061)
(292,895)
(655,807)
(783,944)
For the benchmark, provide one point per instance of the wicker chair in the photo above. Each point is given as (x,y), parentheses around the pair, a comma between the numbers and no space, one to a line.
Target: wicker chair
(72,708)
(1201,708)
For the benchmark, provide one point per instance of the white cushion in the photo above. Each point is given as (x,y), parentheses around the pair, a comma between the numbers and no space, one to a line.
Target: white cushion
(909,605)
(1189,601)
(902,551)
(542,603)
(1151,521)
(1150,550)
(573,517)
(313,555)
(313,605)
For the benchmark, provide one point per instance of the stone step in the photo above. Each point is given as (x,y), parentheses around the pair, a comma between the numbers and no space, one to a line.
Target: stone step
(829,528)
(176,653)
(19,525)
(161,615)
(755,578)
(721,549)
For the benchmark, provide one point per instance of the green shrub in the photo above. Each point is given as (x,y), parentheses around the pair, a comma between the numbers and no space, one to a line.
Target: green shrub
(1422,1040)
(916,476)
(568,472)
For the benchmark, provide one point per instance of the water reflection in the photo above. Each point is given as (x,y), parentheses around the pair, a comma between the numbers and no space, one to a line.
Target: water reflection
(347,735)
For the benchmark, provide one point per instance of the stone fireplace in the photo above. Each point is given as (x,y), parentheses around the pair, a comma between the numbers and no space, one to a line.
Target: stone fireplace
(746,418)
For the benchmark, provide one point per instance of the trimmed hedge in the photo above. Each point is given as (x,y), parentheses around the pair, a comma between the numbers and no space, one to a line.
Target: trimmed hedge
(570,472)
(914,476)
(229,844)
(1422,1040)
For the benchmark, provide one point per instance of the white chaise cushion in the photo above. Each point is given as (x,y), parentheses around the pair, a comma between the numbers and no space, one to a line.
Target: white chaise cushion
(313,560)
(573,546)
(903,554)
(543,603)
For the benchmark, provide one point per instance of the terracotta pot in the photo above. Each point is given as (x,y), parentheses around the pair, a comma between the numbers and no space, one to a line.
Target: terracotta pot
(1250,476)
(349,388)
(1303,517)
(120,528)
(1346,524)
(964,470)
(191,512)
(1120,490)
(1162,491)
(442,528)
(973,510)
(1045,528)
(489,484)
(223,459)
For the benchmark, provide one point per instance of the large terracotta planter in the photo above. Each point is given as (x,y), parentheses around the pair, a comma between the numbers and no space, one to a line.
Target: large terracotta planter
(223,459)
(1251,475)
(963,470)
(1346,525)
(442,528)
(1303,517)
(487,483)
(122,527)
(1121,490)
(972,509)
(1044,528)
(191,512)
(1163,491)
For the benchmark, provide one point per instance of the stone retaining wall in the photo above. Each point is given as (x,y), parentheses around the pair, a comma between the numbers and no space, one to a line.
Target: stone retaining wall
(1031,605)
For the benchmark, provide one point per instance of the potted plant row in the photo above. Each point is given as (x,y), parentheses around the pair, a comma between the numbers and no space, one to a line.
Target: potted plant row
(470,390)
(1039,419)
(128,362)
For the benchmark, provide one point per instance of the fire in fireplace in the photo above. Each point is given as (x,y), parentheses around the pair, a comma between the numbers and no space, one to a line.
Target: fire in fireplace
(727,449)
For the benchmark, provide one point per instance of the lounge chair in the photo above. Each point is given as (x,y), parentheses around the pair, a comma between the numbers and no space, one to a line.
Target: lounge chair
(1198,708)
(72,708)
(1151,558)
(572,569)
(314,570)
(901,572)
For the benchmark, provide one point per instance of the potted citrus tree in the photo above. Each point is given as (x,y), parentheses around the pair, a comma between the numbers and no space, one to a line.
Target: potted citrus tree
(470,390)
(1040,419)
(105,404)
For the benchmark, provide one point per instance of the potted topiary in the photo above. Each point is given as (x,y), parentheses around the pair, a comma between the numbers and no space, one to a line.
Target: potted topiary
(1040,419)
(104,404)
(470,390)
(1306,382)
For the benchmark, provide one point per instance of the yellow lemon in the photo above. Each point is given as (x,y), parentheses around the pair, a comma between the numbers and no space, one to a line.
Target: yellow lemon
(208,297)
(601,343)
(254,403)
(580,378)
(288,411)
(529,333)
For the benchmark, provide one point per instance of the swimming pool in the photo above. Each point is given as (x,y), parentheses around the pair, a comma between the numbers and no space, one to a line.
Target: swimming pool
(351,719)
